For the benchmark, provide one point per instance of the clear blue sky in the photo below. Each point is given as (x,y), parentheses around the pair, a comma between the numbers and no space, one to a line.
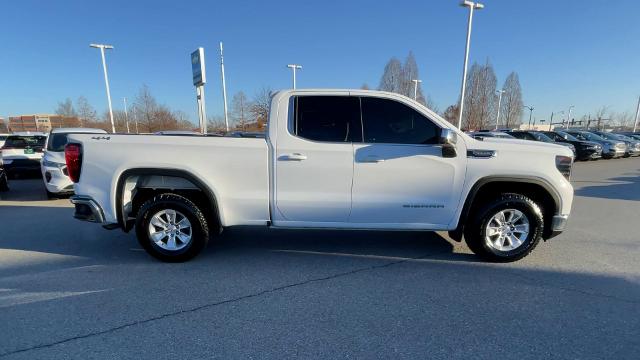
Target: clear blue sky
(584,53)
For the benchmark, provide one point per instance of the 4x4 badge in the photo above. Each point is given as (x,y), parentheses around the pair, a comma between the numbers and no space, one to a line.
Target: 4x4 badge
(101,137)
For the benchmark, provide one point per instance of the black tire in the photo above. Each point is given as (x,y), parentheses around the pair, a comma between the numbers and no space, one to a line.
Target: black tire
(474,232)
(4,183)
(199,227)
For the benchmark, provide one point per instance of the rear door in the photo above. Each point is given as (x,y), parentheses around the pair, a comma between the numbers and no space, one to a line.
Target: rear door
(401,178)
(314,160)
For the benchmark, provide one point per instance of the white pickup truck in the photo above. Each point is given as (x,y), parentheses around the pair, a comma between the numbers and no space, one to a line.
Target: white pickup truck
(338,159)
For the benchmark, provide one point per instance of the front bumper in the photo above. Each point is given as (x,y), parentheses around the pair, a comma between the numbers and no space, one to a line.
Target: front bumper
(558,224)
(56,181)
(87,209)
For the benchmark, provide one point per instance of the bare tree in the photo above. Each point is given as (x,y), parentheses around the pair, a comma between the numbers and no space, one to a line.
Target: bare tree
(86,112)
(182,120)
(260,106)
(480,97)
(391,79)
(65,108)
(215,124)
(365,86)
(451,114)
(240,110)
(512,105)
(145,106)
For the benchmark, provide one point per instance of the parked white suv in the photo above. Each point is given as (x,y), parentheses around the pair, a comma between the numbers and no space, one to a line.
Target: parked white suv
(53,166)
(339,159)
(22,152)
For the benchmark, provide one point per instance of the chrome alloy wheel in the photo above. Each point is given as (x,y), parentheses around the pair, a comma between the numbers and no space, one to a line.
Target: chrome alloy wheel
(170,230)
(507,230)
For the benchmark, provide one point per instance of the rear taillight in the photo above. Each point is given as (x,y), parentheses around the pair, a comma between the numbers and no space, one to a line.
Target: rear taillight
(73,157)
(564,163)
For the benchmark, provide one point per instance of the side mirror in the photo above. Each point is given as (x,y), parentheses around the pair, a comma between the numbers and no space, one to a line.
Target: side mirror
(448,139)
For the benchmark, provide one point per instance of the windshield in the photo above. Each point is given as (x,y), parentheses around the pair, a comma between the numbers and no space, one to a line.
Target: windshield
(57,142)
(609,136)
(588,136)
(23,142)
(542,137)
(568,136)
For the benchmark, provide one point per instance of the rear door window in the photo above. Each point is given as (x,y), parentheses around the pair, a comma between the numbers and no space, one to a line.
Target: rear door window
(327,118)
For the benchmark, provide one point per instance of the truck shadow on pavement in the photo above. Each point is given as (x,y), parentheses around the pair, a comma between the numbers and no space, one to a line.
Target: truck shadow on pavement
(620,188)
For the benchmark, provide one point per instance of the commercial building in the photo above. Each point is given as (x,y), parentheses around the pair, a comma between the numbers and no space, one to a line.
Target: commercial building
(41,122)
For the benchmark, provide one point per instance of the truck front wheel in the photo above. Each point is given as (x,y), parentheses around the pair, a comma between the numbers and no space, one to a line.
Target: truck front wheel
(507,229)
(171,228)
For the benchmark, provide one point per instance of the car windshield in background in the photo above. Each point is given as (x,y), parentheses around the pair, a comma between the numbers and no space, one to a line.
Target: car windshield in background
(542,137)
(568,136)
(22,142)
(57,142)
(609,136)
(589,136)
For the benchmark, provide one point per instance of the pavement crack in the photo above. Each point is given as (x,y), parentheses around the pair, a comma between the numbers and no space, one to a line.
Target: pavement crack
(211,305)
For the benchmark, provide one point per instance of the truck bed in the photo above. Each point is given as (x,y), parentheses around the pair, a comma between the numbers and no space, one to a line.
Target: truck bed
(236,169)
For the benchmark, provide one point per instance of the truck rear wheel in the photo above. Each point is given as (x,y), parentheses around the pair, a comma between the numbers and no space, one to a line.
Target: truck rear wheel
(507,229)
(171,228)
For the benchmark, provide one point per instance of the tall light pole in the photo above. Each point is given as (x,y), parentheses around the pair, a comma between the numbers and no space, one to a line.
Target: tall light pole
(294,67)
(530,113)
(472,6)
(106,79)
(499,102)
(569,117)
(224,89)
(126,113)
(415,88)
(635,123)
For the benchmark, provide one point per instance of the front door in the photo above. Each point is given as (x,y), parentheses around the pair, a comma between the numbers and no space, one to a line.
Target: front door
(401,179)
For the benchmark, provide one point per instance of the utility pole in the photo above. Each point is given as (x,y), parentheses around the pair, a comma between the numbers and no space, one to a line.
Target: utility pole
(106,80)
(499,102)
(415,88)
(472,6)
(126,114)
(635,123)
(224,90)
(569,116)
(530,113)
(294,67)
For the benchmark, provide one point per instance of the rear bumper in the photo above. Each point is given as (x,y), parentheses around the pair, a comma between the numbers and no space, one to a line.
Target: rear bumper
(18,165)
(87,209)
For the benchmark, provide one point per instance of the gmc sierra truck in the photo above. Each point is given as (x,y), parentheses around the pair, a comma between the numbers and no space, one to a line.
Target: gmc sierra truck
(338,159)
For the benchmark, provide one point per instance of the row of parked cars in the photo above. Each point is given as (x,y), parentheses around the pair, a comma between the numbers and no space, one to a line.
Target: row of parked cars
(586,145)
(32,152)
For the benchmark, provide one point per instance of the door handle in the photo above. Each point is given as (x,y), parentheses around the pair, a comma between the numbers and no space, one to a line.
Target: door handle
(293,157)
(372,159)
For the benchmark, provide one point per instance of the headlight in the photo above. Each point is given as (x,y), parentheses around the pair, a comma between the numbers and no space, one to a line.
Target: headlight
(563,164)
(53,164)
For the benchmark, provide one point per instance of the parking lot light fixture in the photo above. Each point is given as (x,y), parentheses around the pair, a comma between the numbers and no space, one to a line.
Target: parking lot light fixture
(500,92)
(472,6)
(294,67)
(102,47)
(569,117)
(415,88)
(635,123)
(530,113)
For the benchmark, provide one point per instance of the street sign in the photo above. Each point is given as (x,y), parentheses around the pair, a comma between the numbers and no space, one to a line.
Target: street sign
(197,67)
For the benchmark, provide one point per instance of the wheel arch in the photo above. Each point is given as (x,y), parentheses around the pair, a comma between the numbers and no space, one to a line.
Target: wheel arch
(538,189)
(156,179)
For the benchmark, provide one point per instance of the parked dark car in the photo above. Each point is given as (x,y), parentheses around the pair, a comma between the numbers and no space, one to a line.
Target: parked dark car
(538,136)
(633,146)
(585,150)
(633,135)
(610,148)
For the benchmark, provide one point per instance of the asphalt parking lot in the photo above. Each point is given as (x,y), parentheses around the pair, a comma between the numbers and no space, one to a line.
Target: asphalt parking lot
(70,289)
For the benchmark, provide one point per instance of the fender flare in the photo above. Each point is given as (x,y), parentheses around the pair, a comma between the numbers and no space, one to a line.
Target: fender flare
(119,209)
(456,234)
